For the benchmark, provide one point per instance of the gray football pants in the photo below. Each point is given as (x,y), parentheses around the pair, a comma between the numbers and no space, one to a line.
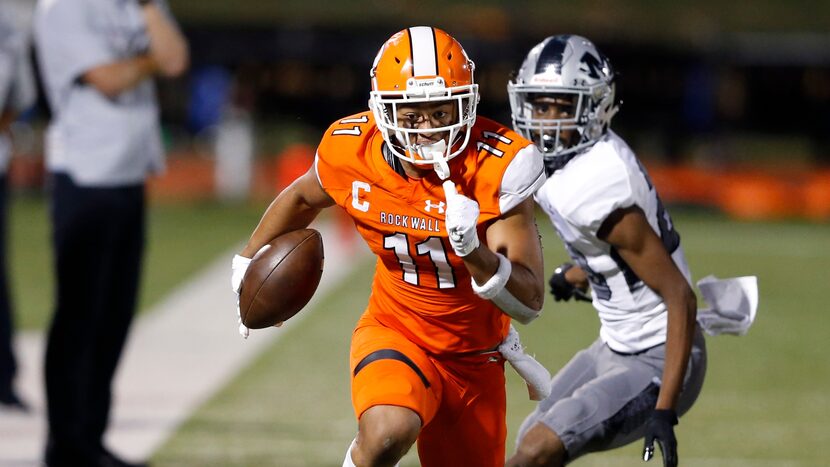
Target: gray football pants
(602,399)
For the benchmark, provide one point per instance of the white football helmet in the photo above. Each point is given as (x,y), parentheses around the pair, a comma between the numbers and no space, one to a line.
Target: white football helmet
(570,67)
(423,64)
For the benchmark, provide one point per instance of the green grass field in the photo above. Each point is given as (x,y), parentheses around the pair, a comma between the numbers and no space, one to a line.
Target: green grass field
(181,239)
(765,401)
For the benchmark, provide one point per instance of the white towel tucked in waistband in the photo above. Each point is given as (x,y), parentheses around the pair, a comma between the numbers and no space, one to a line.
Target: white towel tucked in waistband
(732,304)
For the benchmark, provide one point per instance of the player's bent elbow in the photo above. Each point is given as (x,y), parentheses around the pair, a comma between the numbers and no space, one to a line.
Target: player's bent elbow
(685,302)
(538,300)
(526,318)
(174,66)
(687,297)
(103,82)
(514,308)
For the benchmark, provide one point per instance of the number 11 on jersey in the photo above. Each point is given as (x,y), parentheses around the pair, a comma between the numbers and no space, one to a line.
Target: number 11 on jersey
(432,248)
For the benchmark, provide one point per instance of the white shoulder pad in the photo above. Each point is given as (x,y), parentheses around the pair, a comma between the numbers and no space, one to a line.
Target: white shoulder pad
(524,175)
(597,183)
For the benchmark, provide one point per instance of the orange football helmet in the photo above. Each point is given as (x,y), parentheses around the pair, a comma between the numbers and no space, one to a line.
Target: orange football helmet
(423,64)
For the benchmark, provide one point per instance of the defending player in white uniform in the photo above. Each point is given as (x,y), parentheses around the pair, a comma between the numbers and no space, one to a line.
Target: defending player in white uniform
(579,198)
(648,364)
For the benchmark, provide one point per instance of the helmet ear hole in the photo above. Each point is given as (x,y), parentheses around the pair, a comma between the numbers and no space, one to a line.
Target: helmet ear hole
(449,56)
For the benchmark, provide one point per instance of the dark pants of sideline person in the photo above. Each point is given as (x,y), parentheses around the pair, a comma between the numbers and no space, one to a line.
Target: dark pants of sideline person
(8,364)
(98,240)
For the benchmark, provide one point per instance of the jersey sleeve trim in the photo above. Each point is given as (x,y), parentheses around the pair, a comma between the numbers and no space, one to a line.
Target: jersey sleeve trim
(524,175)
(317,171)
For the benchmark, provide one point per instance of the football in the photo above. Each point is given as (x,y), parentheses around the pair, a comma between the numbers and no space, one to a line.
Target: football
(281,278)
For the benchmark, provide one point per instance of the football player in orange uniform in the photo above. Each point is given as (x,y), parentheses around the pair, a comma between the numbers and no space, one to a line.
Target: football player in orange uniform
(444,200)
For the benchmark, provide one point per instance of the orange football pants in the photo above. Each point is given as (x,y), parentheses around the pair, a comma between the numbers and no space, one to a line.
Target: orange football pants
(461,399)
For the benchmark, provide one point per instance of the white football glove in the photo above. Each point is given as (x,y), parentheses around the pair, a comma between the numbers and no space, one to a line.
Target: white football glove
(461,220)
(238,267)
(535,375)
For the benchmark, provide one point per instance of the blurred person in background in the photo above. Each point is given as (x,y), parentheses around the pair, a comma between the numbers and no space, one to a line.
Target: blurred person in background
(444,200)
(98,59)
(648,364)
(17,94)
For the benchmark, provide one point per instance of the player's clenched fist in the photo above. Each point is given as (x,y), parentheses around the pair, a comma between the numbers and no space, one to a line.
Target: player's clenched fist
(461,220)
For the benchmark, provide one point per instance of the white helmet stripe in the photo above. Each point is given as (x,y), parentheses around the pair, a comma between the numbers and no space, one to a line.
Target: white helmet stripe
(424,56)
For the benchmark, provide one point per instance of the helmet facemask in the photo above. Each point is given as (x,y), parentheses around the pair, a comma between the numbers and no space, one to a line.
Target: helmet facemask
(403,138)
(552,134)
(589,117)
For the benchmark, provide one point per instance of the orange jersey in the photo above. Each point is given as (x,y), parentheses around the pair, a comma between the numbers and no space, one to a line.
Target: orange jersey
(421,287)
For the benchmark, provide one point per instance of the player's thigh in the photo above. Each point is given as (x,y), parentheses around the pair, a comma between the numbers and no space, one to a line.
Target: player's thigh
(388,369)
(607,411)
(470,427)
(655,358)
(639,383)
(578,371)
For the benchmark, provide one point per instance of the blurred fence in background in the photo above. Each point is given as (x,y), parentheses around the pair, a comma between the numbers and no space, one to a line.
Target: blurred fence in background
(728,105)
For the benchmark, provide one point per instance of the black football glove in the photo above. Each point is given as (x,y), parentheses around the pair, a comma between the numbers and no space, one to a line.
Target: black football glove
(660,428)
(561,289)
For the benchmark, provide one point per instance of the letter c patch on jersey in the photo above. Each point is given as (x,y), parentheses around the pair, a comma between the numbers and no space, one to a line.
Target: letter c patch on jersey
(357,187)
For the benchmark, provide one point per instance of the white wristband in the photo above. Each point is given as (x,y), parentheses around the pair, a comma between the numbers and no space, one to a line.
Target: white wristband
(514,308)
(495,289)
(239,265)
(495,284)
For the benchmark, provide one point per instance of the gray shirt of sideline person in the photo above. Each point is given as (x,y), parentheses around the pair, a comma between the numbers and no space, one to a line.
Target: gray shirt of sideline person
(17,83)
(96,56)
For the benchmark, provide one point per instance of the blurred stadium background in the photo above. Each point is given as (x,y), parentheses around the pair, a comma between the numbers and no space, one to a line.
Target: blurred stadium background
(727,103)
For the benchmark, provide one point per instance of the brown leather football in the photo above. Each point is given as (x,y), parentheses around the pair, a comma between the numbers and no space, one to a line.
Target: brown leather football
(281,278)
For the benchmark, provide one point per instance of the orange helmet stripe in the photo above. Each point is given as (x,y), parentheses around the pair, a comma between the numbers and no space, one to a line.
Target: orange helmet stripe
(423,51)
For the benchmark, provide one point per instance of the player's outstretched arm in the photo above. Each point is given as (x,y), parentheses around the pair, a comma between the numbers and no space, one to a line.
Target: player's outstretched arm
(294,208)
(629,232)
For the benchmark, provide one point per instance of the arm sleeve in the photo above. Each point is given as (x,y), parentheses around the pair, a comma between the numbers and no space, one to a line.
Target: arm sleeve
(64,61)
(523,176)
(327,176)
(339,160)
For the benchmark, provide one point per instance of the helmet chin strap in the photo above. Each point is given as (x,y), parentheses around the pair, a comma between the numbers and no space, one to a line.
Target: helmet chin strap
(437,151)
(442,169)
